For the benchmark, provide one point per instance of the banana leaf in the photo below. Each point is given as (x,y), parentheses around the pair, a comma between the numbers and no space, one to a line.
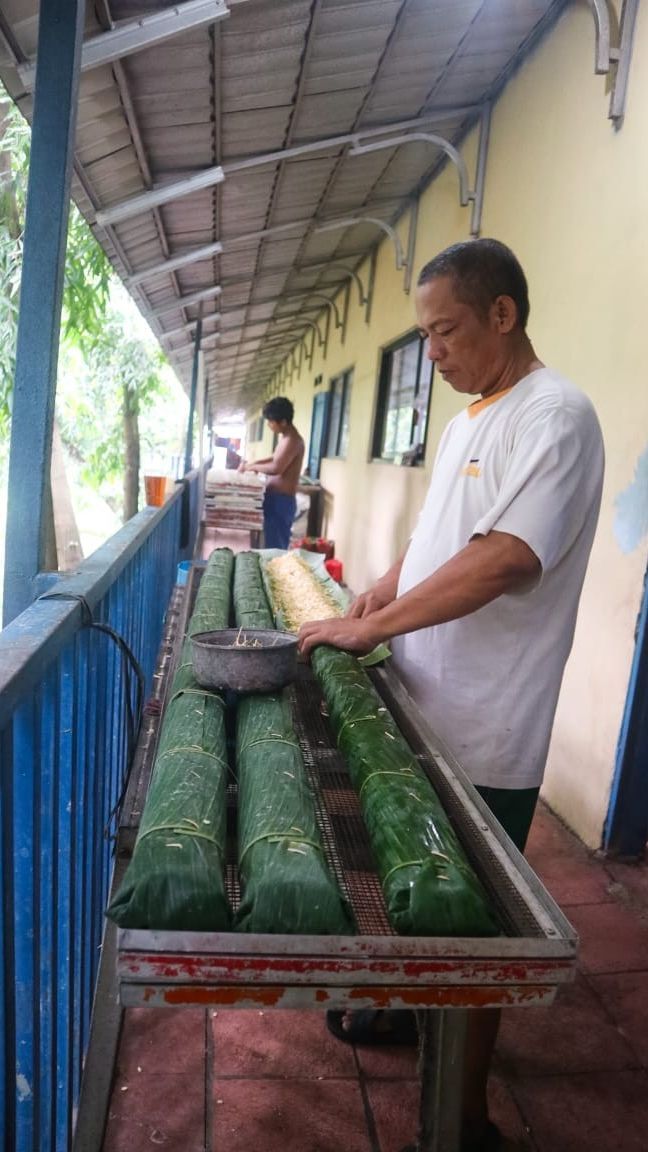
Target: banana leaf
(429,886)
(286,883)
(285,880)
(251,606)
(313,595)
(176,878)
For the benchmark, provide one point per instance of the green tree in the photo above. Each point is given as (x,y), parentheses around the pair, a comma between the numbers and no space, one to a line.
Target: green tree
(99,414)
(88,273)
(107,376)
(14,161)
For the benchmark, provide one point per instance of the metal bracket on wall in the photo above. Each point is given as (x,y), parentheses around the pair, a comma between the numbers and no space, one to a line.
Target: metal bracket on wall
(370,285)
(349,222)
(309,355)
(345,310)
(467,195)
(618,56)
(411,245)
(327,332)
(363,295)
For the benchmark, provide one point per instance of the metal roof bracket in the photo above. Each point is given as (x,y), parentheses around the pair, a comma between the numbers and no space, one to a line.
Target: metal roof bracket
(370,284)
(465,192)
(620,55)
(345,310)
(480,173)
(327,331)
(332,306)
(312,348)
(348,222)
(349,271)
(411,245)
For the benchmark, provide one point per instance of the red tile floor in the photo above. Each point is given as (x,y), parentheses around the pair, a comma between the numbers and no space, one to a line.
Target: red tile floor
(572,1077)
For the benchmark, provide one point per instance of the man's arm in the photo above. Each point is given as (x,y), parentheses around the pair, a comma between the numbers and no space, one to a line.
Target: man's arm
(381,594)
(250,465)
(486,568)
(276,465)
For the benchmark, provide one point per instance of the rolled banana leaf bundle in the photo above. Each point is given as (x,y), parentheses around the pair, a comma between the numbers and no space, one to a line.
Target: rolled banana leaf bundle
(285,880)
(251,606)
(429,887)
(286,883)
(176,878)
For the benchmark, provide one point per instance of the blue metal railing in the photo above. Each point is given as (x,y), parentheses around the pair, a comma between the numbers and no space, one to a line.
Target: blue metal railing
(63,756)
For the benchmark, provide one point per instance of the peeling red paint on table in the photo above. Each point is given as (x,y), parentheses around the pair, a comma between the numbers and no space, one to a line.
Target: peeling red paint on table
(372,995)
(235,969)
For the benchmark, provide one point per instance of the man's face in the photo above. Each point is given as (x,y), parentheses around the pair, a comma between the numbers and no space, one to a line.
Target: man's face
(468,348)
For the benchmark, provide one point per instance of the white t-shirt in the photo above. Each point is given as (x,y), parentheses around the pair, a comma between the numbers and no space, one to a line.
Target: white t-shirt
(529,462)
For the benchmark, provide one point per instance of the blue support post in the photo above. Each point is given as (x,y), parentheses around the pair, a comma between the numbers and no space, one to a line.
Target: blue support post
(192,399)
(626,827)
(60,34)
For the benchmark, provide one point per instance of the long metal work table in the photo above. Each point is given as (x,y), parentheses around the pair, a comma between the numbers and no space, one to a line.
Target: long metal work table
(442,977)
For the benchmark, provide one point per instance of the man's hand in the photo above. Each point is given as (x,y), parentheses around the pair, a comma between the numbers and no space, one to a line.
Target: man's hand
(352,635)
(242,466)
(367,603)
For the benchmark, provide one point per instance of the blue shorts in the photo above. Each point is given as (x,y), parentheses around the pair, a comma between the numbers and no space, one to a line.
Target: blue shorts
(278,514)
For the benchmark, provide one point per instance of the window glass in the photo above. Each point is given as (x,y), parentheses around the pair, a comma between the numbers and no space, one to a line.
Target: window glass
(337,438)
(335,411)
(403,402)
(343,443)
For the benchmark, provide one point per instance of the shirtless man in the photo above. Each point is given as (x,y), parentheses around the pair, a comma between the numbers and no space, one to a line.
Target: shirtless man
(283,471)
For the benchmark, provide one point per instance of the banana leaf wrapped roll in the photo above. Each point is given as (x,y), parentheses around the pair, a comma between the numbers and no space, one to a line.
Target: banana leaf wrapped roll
(286,883)
(214,597)
(285,880)
(176,878)
(429,886)
(251,606)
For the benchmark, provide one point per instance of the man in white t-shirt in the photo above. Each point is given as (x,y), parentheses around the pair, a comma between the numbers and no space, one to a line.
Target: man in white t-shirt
(482,607)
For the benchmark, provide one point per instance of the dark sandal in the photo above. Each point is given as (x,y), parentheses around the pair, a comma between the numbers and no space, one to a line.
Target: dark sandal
(398,1027)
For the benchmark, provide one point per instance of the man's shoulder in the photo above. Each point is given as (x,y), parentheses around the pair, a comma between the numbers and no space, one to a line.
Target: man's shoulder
(546,391)
(551,386)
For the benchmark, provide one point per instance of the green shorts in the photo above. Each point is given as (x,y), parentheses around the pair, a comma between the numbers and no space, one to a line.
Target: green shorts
(514,808)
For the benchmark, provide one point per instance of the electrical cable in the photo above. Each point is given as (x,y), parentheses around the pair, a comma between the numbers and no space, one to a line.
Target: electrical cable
(131,668)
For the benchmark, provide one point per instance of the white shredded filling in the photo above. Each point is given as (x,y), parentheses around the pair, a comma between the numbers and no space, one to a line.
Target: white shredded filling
(298,592)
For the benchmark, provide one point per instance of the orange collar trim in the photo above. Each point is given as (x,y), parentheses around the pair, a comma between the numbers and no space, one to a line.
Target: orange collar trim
(478,405)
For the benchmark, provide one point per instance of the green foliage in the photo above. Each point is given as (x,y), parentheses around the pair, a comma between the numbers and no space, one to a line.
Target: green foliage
(118,372)
(86,293)
(105,371)
(14,161)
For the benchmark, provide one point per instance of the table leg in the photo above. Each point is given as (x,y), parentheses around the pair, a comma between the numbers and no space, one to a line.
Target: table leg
(442,1034)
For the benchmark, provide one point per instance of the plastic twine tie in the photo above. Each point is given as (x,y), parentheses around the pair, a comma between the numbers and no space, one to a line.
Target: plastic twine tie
(406,774)
(268,740)
(277,837)
(181,830)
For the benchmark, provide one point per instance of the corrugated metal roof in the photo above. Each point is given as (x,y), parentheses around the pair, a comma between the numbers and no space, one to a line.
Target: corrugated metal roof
(274,75)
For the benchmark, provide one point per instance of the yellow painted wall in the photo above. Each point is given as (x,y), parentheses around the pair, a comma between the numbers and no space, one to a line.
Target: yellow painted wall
(567,192)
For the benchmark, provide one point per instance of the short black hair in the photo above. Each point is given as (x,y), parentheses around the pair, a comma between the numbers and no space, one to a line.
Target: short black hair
(279,408)
(481,271)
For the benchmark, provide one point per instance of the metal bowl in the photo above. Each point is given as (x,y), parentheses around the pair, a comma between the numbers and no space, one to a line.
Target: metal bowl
(244,659)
